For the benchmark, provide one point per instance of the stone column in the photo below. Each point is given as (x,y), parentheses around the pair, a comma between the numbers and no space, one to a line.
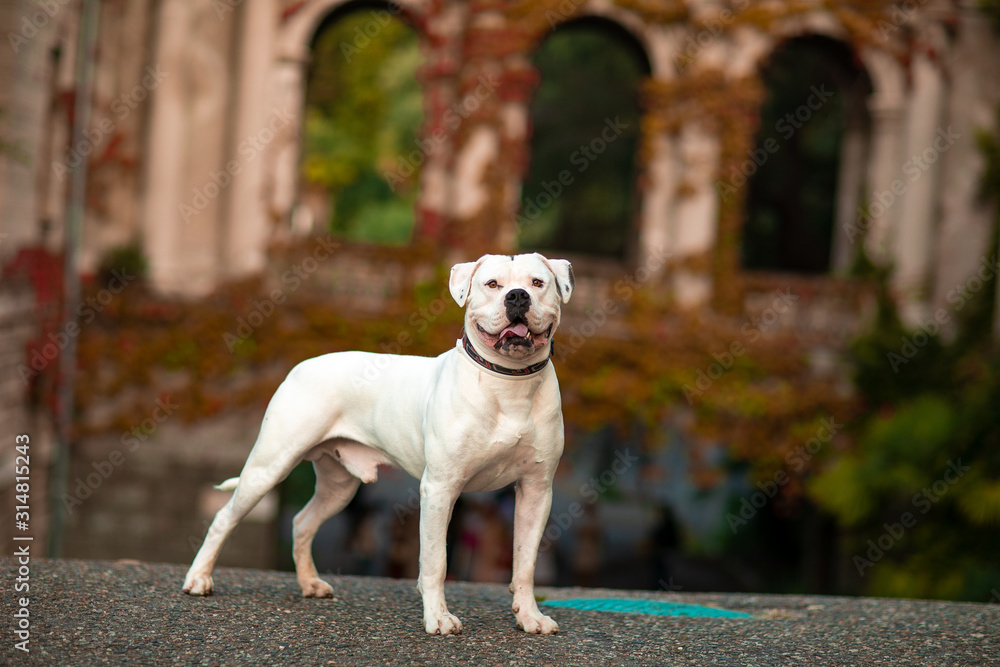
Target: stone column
(165,152)
(886,108)
(962,240)
(912,240)
(283,155)
(657,224)
(247,224)
(661,173)
(519,82)
(125,79)
(443,26)
(185,185)
(850,185)
(696,216)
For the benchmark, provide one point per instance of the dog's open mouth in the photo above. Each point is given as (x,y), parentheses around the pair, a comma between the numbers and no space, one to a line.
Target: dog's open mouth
(515,334)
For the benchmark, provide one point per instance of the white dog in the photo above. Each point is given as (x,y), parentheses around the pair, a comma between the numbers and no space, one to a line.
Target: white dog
(478,417)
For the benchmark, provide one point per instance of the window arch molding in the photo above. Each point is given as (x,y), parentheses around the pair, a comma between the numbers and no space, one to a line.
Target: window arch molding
(286,77)
(581,194)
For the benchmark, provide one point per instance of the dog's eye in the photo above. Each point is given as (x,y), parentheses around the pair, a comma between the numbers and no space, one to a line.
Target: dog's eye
(493,284)
(537,283)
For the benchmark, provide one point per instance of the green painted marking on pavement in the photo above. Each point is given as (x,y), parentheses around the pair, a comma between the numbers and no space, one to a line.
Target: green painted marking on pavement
(652,607)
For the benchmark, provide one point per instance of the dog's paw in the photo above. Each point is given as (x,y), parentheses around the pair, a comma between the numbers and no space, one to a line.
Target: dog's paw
(443,624)
(316,588)
(536,623)
(198,584)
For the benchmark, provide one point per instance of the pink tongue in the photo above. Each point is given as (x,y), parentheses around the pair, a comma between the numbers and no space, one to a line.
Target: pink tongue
(520,329)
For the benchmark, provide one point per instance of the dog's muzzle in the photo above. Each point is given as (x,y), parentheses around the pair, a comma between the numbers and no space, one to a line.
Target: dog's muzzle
(517,302)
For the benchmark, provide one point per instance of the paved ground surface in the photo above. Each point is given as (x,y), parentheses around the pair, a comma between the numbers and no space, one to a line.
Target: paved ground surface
(89,613)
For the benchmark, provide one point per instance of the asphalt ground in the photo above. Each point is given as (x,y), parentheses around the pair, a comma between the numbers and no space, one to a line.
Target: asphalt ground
(105,613)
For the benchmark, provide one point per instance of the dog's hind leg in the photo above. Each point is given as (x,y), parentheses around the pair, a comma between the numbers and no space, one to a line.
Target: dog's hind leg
(334,489)
(259,475)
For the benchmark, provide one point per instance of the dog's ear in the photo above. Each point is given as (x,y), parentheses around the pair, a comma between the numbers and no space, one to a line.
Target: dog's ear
(563,271)
(460,282)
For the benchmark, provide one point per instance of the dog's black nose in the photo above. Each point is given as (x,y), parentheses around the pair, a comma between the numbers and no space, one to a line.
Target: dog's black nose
(517,302)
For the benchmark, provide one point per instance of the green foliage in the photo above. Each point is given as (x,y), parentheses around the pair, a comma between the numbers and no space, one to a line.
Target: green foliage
(937,411)
(127,259)
(992,9)
(590,77)
(887,381)
(903,453)
(895,455)
(363,112)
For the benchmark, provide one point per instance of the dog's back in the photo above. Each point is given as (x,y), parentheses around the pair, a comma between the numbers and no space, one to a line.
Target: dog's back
(362,396)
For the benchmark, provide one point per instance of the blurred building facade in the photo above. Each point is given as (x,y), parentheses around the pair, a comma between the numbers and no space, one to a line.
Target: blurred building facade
(194,152)
(194,149)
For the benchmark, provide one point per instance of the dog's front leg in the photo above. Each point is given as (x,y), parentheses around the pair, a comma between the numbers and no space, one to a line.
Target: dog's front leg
(533,499)
(436,502)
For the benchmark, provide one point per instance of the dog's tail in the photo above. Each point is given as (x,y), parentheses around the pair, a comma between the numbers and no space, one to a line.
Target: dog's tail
(229,485)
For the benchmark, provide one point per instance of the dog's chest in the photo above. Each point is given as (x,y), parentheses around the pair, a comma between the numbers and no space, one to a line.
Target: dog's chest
(505,449)
(509,432)
(512,421)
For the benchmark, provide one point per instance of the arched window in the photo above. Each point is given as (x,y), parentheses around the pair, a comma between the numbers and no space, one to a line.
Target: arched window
(363,111)
(809,157)
(580,192)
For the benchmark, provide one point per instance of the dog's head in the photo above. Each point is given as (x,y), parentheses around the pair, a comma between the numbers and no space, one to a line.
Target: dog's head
(512,303)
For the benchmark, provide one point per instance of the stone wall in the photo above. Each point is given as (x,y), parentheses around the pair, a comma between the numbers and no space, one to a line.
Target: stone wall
(146,493)
(19,415)
(36,72)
